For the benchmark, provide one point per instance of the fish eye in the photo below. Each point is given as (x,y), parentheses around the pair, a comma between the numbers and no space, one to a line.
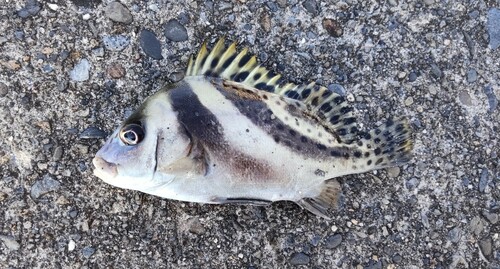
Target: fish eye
(132,134)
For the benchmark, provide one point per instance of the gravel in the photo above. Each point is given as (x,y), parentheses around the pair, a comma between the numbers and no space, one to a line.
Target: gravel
(492,98)
(9,242)
(115,42)
(150,44)
(333,27)
(175,31)
(118,13)
(432,62)
(483,180)
(300,259)
(31,8)
(92,133)
(81,71)
(337,88)
(4,89)
(43,186)
(471,75)
(333,241)
(493,27)
(88,251)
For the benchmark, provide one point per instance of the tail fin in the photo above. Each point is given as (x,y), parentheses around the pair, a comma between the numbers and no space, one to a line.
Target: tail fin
(387,145)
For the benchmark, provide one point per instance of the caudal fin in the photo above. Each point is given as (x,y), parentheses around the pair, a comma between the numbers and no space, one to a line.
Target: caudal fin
(387,145)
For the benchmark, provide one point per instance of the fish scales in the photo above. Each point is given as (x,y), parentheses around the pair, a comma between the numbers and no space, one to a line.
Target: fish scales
(234,132)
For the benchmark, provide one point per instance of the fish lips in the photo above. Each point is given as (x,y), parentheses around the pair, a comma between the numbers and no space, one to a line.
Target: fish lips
(104,169)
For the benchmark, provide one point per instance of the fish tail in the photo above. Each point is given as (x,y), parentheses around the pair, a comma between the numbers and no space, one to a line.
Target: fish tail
(387,145)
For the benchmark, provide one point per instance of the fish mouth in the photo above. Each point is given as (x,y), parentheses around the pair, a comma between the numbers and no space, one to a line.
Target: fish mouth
(104,169)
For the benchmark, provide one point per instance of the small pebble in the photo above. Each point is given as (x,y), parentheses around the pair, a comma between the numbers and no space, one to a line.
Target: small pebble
(483,180)
(93,132)
(436,72)
(86,17)
(54,7)
(116,42)
(397,258)
(492,98)
(465,98)
(47,68)
(476,225)
(175,31)
(81,71)
(150,44)
(333,241)
(300,259)
(401,75)
(486,246)
(412,183)
(73,213)
(10,242)
(88,251)
(116,71)
(491,217)
(471,75)
(474,14)
(412,77)
(333,27)
(311,6)
(315,240)
(350,97)
(19,35)
(493,27)
(3,89)
(31,8)
(195,226)
(337,88)
(43,186)
(409,101)
(455,234)
(272,6)
(265,21)
(58,152)
(98,52)
(71,245)
(118,12)
(393,172)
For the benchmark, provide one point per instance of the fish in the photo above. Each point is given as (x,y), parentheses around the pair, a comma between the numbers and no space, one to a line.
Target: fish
(234,132)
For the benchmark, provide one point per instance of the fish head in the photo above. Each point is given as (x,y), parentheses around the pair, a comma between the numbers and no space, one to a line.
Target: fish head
(150,138)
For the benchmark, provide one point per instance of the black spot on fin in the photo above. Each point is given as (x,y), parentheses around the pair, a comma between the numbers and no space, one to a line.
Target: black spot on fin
(241,201)
(328,108)
(328,198)
(388,145)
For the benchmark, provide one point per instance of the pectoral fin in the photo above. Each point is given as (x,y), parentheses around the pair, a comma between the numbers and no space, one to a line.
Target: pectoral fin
(328,198)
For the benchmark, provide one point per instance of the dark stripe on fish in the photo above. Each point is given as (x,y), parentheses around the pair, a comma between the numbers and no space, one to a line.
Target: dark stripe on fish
(205,128)
(196,118)
(251,105)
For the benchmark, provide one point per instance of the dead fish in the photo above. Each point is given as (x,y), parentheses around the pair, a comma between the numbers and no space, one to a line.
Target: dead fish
(233,131)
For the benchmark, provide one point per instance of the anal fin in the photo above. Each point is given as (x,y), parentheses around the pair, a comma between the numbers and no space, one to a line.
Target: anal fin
(328,198)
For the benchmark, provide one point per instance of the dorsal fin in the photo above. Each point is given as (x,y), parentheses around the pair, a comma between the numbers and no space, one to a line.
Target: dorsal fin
(333,111)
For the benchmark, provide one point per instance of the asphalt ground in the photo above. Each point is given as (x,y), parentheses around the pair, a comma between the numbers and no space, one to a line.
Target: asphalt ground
(71,71)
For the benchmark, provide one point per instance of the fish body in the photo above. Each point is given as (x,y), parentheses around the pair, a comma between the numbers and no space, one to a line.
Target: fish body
(233,132)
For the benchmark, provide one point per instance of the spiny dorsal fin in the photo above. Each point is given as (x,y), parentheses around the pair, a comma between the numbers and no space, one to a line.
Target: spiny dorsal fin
(331,109)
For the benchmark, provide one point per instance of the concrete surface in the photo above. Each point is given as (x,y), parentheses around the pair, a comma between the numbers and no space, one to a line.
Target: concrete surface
(67,66)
